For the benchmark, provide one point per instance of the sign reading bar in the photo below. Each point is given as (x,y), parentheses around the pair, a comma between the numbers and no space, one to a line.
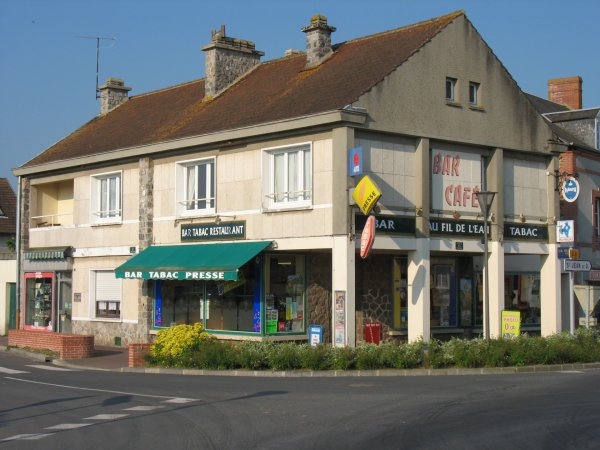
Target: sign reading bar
(389,224)
(213,231)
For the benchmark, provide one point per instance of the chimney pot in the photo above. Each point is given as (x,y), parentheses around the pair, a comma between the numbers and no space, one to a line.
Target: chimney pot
(318,40)
(112,94)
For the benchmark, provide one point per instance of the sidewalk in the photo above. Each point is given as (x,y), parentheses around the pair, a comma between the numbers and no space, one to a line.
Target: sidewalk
(105,358)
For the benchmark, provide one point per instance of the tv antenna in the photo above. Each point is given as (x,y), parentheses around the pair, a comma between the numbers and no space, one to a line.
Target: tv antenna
(98,39)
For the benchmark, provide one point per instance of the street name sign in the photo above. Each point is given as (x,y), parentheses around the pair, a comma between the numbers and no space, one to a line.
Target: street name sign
(577,265)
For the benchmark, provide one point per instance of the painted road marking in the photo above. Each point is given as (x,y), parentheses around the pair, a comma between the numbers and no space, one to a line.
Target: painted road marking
(67,426)
(143,408)
(106,417)
(44,367)
(27,437)
(11,371)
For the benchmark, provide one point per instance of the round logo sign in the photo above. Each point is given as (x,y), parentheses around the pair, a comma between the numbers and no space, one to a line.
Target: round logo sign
(570,189)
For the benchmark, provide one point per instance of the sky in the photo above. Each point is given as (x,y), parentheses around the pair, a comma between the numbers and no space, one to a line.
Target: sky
(48,48)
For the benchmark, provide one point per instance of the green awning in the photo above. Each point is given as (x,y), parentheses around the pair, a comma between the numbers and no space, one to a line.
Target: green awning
(47,254)
(191,262)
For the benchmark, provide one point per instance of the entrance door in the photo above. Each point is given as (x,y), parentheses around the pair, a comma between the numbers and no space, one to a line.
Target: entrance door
(12,306)
(63,321)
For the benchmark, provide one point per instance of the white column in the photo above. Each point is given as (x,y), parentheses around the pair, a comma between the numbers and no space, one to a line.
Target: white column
(343,268)
(496,278)
(419,268)
(550,292)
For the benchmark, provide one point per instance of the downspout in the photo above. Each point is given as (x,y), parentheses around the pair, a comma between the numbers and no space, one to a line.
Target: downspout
(18,252)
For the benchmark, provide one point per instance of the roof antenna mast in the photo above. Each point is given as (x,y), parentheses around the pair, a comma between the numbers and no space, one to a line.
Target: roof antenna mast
(98,39)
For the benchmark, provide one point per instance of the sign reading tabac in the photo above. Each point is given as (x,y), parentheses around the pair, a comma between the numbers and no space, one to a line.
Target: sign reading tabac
(366,194)
(213,231)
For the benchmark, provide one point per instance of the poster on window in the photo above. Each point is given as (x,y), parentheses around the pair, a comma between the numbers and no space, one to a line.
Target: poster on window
(339,318)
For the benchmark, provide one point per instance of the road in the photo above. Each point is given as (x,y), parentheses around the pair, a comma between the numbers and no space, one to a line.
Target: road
(50,407)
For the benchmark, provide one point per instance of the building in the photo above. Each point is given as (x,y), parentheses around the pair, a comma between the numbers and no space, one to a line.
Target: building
(230,199)
(577,139)
(8,259)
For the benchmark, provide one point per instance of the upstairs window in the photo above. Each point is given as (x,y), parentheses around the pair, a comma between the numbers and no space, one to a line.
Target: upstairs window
(596,218)
(473,93)
(451,89)
(106,198)
(289,177)
(196,187)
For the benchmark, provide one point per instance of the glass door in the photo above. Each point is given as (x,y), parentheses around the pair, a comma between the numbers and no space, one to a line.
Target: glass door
(64,293)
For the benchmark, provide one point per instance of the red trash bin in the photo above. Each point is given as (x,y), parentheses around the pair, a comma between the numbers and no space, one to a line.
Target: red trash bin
(372,332)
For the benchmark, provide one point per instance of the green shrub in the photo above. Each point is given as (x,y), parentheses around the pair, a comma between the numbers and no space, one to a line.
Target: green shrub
(341,358)
(252,355)
(214,355)
(314,357)
(368,357)
(284,356)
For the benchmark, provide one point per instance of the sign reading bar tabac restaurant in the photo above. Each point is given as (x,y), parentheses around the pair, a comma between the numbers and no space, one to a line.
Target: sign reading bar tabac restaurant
(366,194)
(213,231)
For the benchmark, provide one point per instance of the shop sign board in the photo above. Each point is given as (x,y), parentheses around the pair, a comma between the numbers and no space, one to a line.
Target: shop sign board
(355,161)
(389,224)
(368,237)
(315,335)
(366,194)
(570,190)
(213,231)
(577,265)
(511,323)
(565,231)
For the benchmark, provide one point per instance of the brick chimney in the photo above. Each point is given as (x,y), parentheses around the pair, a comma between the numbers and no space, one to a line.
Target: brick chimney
(318,40)
(566,91)
(226,60)
(112,94)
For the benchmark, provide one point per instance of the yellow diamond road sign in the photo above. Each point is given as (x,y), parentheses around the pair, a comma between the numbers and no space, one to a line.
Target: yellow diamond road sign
(366,194)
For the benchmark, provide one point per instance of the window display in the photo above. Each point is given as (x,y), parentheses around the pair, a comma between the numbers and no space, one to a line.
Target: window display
(284,299)
(38,301)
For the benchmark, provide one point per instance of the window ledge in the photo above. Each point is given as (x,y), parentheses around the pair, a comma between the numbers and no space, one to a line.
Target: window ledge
(478,108)
(453,104)
(287,208)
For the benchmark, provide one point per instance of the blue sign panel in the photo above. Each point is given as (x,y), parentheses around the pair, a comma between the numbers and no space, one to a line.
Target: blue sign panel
(570,190)
(315,335)
(563,252)
(355,161)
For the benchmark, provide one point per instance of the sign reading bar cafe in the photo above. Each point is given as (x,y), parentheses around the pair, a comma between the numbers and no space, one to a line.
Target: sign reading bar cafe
(213,231)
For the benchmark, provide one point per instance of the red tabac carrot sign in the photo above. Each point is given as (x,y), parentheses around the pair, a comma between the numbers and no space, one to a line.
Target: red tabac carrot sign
(368,237)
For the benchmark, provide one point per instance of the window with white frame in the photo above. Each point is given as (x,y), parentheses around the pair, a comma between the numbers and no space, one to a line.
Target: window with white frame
(196,187)
(451,89)
(289,176)
(473,93)
(105,291)
(106,198)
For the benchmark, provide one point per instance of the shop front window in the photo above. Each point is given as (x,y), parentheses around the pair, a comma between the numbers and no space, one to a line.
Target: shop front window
(219,306)
(284,296)
(522,293)
(38,300)
(400,293)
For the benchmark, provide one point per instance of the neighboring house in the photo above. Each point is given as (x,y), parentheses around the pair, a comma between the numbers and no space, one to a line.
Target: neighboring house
(8,257)
(577,138)
(228,200)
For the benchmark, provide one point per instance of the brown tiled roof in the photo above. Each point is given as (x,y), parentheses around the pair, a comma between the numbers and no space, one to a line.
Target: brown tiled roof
(274,90)
(8,208)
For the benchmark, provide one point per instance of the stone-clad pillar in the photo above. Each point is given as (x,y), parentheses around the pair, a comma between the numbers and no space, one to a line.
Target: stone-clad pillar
(146,237)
